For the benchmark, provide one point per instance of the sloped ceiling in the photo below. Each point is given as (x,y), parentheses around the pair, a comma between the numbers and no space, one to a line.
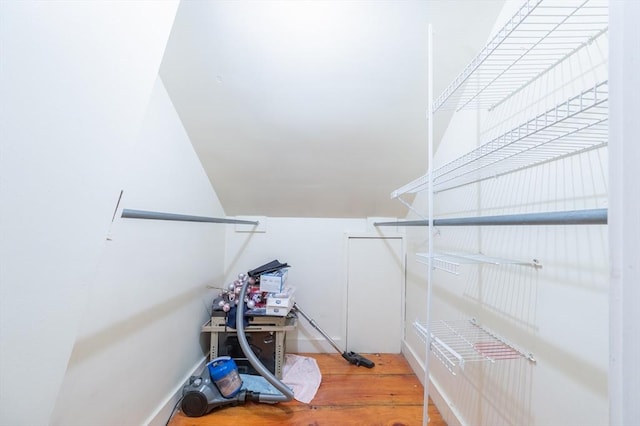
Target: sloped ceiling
(315,108)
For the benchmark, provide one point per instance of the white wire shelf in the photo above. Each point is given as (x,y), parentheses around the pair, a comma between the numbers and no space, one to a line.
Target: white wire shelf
(414,186)
(450,262)
(458,342)
(577,125)
(538,37)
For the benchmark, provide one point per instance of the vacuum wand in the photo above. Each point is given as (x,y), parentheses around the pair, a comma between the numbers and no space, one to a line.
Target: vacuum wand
(352,357)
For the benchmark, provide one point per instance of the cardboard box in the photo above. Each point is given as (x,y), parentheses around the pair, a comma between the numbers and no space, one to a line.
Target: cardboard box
(284,298)
(274,282)
(280,311)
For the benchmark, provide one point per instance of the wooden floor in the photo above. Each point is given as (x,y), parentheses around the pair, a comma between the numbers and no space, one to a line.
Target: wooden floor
(388,394)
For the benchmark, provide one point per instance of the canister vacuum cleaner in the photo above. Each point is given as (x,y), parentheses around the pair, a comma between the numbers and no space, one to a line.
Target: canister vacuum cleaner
(219,385)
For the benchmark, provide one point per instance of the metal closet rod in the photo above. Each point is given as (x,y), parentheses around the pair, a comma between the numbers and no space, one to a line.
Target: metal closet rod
(574,217)
(143,214)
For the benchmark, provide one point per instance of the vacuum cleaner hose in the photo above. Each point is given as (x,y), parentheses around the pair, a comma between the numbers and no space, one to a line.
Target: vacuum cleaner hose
(287,394)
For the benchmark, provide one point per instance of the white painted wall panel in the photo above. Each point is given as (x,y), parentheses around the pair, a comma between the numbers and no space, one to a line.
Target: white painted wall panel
(624,379)
(316,250)
(375,288)
(74,86)
(149,296)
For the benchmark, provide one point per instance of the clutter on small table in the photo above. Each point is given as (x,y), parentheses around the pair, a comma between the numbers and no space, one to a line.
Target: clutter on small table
(267,317)
(267,293)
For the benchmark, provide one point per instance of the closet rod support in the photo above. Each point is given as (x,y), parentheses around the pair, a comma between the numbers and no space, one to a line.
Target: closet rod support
(574,217)
(143,214)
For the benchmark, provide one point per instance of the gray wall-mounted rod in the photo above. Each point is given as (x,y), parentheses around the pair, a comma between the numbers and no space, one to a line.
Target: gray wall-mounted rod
(142,214)
(575,217)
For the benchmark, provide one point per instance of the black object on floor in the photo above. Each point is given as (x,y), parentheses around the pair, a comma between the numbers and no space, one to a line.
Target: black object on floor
(352,357)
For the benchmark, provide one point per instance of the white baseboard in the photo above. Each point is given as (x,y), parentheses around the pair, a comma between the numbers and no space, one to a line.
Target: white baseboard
(317,346)
(414,361)
(447,410)
(161,415)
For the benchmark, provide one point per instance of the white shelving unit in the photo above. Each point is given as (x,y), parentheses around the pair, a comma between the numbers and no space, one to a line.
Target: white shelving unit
(540,36)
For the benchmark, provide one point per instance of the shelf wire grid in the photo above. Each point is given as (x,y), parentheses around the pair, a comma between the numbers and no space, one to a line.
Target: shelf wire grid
(539,36)
(457,342)
(450,262)
(575,126)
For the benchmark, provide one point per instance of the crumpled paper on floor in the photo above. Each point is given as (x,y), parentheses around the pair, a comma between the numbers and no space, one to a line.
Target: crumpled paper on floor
(302,375)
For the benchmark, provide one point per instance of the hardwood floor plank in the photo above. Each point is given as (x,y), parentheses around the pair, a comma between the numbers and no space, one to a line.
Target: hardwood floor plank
(395,389)
(311,415)
(302,414)
(388,395)
(335,364)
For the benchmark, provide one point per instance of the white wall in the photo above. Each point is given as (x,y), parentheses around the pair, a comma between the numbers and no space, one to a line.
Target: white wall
(109,313)
(559,313)
(315,249)
(149,297)
(624,378)
(76,81)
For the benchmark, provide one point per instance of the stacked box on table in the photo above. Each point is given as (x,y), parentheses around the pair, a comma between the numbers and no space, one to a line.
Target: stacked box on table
(280,303)
(274,282)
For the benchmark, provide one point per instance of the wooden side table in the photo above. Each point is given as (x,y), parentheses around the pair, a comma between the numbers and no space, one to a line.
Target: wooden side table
(270,333)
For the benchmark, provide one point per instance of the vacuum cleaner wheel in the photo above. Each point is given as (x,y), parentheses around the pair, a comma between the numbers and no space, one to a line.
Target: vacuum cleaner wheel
(194,404)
